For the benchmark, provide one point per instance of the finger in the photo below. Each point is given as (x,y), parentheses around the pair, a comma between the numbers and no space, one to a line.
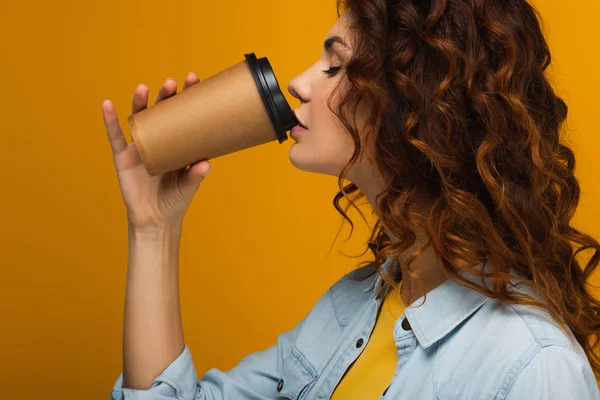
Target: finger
(168,89)
(140,99)
(191,179)
(113,129)
(190,80)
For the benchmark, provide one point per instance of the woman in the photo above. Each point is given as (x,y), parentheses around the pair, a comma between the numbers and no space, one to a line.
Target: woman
(438,112)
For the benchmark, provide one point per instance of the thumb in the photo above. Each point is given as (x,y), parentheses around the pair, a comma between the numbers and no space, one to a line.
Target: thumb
(191,179)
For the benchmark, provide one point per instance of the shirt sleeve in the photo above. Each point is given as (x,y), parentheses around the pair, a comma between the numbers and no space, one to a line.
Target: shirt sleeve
(555,373)
(254,377)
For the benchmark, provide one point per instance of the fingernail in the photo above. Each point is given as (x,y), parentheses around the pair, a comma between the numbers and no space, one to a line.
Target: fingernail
(190,74)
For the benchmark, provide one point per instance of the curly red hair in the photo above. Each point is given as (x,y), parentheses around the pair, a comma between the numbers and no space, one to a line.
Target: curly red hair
(465,125)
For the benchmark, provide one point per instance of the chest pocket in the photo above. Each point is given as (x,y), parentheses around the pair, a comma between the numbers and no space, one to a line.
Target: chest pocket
(296,375)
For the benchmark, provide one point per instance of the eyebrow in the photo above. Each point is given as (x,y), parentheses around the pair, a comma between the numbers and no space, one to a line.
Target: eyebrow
(327,44)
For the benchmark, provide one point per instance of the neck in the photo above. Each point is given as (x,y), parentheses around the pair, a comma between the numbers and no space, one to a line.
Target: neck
(426,266)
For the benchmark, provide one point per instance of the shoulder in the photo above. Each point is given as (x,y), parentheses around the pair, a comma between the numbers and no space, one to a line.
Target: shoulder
(550,372)
(499,343)
(335,307)
(359,278)
(523,326)
(345,296)
(553,360)
(340,305)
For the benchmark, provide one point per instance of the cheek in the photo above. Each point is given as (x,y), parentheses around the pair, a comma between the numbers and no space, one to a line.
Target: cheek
(331,132)
(329,136)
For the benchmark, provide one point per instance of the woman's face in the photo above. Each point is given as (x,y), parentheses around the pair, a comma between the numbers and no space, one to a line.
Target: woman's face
(326,146)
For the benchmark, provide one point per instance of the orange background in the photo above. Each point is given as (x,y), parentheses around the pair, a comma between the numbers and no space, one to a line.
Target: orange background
(254,257)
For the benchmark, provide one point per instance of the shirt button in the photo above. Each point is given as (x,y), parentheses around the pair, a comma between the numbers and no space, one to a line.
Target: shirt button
(280,385)
(359,343)
(406,325)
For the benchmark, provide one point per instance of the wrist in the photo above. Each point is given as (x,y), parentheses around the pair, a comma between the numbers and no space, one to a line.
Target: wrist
(152,249)
(163,232)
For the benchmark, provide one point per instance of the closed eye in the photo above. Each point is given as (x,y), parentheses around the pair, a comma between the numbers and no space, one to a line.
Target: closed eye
(332,70)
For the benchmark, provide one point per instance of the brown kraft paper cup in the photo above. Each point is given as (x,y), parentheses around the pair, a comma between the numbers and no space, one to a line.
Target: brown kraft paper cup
(235,109)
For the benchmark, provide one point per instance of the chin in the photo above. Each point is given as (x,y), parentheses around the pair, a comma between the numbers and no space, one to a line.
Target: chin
(306,160)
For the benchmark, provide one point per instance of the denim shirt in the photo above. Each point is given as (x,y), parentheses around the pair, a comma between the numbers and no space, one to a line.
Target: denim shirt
(459,344)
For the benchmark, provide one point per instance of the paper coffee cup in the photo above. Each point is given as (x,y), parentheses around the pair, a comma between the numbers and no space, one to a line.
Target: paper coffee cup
(235,109)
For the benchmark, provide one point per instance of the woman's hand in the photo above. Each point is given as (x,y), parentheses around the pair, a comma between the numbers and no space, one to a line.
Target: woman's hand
(152,202)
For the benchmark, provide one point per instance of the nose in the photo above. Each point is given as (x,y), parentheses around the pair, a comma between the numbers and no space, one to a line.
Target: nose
(296,89)
(292,91)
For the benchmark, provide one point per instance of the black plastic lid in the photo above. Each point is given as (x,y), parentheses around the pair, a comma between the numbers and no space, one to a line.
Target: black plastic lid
(278,108)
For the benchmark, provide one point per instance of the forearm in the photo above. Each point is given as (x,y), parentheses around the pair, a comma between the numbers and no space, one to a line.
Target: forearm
(152,328)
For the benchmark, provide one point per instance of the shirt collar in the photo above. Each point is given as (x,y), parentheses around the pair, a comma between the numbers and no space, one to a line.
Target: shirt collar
(445,308)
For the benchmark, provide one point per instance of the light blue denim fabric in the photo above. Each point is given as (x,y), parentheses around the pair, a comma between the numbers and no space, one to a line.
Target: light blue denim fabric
(459,345)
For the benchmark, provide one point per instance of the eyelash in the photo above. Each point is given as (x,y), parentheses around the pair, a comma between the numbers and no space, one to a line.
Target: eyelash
(332,70)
